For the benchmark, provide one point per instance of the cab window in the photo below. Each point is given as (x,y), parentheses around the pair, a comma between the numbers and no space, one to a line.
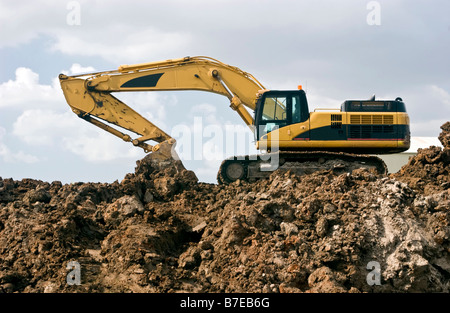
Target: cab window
(275,109)
(296,110)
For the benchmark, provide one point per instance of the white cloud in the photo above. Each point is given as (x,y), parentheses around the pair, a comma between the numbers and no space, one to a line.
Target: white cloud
(9,156)
(43,119)
(79,69)
(25,91)
(23,21)
(316,101)
(44,127)
(68,132)
(96,146)
(104,31)
(430,128)
(46,119)
(441,95)
(424,103)
(133,46)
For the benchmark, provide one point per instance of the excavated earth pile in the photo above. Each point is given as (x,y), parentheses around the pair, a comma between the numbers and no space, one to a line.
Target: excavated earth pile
(160,230)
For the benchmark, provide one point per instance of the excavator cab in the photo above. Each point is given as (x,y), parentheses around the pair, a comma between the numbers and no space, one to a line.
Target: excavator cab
(277,108)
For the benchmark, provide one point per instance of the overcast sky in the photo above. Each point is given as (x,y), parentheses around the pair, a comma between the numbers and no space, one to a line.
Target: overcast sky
(337,50)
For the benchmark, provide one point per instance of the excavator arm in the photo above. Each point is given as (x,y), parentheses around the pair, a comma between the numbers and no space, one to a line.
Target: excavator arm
(89,95)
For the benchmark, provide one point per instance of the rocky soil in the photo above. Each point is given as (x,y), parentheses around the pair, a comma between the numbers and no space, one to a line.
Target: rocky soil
(160,230)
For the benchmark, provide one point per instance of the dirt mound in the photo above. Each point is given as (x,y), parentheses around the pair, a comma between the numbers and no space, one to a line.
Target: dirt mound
(444,136)
(428,172)
(160,230)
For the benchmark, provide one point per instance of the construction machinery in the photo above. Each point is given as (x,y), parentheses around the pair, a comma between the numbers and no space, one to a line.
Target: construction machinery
(291,137)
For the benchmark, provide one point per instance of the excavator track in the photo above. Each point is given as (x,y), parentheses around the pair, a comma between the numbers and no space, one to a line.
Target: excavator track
(254,167)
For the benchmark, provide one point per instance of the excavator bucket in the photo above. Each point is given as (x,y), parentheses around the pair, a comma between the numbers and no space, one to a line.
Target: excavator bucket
(165,151)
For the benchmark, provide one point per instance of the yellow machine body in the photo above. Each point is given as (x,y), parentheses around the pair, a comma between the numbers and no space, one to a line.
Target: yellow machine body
(281,119)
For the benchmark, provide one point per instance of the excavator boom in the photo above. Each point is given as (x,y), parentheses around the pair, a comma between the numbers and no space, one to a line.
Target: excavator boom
(89,95)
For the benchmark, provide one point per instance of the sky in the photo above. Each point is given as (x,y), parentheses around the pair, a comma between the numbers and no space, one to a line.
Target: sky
(336,50)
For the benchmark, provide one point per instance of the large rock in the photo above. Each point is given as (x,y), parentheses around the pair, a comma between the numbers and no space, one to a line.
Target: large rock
(122,208)
(161,176)
(444,136)
(37,195)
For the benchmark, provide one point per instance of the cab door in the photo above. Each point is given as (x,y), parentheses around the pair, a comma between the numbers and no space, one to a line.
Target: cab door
(300,118)
(273,113)
(277,109)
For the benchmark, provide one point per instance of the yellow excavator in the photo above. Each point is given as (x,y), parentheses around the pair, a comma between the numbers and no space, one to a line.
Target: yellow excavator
(290,136)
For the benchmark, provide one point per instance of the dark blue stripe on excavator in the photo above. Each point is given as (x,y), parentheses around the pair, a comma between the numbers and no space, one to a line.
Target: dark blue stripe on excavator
(143,81)
(374,132)
(328,133)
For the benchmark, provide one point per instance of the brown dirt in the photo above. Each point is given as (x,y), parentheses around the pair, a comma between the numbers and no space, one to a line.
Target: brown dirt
(160,230)
(428,172)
